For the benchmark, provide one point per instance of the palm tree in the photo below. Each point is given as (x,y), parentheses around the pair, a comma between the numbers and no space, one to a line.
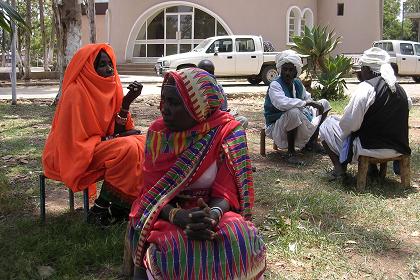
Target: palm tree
(8,15)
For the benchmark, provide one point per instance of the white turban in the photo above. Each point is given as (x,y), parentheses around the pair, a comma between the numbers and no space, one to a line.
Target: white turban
(378,61)
(289,56)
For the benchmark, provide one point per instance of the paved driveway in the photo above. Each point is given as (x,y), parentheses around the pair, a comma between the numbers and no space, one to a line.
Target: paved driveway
(153,87)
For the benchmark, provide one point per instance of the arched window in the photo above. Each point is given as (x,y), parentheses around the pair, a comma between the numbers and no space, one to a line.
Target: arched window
(175,29)
(297,20)
(293,23)
(307,19)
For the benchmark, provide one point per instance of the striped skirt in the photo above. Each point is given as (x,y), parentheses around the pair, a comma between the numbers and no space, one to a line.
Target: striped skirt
(237,252)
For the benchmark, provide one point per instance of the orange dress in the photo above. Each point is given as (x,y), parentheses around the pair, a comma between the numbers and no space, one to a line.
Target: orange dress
(74,152)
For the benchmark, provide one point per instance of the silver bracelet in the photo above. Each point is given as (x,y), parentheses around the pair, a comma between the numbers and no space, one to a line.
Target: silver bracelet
(218,210)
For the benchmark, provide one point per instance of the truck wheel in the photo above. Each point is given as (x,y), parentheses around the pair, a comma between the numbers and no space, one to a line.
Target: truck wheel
(416,79)
(254,80)
(269,74)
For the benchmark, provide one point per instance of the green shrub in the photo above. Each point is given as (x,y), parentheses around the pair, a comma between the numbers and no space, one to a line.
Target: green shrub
(316,45)
(331,83)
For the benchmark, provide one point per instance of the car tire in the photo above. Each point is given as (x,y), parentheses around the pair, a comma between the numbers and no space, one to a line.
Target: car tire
(254,80)
(416,79)
(268,74)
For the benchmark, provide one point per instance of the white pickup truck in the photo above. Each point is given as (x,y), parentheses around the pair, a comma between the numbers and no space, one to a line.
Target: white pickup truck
(233,56)
(404,57)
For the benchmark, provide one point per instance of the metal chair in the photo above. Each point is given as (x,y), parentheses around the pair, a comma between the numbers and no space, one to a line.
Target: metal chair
(42,178)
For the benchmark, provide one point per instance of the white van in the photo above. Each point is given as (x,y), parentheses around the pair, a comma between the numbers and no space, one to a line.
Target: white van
(405,57)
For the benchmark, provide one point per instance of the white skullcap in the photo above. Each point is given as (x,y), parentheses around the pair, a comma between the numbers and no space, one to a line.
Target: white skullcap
(289,56)
(378,61)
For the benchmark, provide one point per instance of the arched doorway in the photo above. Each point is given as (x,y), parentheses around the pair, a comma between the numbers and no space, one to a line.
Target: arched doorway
(171,28)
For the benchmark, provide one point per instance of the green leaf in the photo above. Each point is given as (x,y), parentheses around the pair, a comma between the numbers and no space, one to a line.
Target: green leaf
(8,15)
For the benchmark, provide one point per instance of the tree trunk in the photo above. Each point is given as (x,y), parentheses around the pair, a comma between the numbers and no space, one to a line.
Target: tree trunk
(3,48)
(91,16)
(28,42)
(68,22)
(418,30)
(43,36)
(19,61)
(51,43)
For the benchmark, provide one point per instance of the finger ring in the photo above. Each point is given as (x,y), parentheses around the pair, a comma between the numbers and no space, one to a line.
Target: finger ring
(136,89)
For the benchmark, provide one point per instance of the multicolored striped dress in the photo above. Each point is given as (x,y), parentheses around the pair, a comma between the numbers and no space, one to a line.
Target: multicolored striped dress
(208,161)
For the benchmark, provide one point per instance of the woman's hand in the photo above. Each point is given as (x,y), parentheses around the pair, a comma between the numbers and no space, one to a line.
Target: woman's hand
(182,218)
(134,91)
(201,223)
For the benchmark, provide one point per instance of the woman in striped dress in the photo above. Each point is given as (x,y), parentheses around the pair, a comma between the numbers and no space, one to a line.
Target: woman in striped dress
(192,219)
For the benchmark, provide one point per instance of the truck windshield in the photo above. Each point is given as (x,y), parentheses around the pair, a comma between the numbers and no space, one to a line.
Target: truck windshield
(201,46)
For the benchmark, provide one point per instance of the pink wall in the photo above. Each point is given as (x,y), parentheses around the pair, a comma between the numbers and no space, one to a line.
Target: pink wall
(100,29)
(360,25)
(265,17)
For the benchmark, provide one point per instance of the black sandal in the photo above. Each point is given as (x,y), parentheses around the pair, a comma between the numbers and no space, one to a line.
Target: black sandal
(100,216)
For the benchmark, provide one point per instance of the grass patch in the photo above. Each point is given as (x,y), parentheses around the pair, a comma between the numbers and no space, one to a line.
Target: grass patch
(313,229)
(73,249)
(339,105)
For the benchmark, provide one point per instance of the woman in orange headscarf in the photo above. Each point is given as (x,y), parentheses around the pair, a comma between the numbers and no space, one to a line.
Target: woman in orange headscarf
(92,136)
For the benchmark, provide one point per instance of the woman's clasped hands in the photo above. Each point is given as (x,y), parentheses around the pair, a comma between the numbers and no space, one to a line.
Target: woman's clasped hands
(199,222)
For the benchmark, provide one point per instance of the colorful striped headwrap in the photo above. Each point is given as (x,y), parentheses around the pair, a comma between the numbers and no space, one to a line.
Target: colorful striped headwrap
(199,92)
(202,99)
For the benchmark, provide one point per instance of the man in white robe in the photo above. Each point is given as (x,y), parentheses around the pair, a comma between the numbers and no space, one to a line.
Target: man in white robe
(292,117)
(337,134)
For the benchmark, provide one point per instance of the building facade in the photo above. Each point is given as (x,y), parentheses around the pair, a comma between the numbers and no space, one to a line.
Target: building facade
(142,31)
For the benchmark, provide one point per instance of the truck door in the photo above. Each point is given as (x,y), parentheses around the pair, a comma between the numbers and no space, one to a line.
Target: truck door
(247,58)
(221,54)
(406,60)
(417,50)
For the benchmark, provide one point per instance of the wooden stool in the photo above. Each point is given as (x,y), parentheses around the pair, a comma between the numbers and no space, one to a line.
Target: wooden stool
(71,198)
(364,162)
(128,264)
(262,143)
